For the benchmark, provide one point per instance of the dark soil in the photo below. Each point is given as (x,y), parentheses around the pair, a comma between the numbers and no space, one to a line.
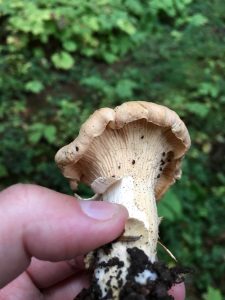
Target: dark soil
(154,290)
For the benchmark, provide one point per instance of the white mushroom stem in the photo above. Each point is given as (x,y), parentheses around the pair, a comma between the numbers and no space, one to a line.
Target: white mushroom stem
(141,231)
(139,199)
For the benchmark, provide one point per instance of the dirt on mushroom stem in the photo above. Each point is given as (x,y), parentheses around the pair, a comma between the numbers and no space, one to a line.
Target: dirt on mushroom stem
(136,286)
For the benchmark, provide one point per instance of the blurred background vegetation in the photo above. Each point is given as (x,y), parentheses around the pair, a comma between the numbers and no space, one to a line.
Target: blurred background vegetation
(60,60)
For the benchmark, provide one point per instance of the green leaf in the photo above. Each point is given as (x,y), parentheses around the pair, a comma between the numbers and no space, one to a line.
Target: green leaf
(63,60)
(208,88)
(34,86)
(135,6)
(50,133)
(110,57)
(36,126)
(35,132)
(70,46)
(170,207)
(125,87)
(126,26)
(165,212)
(212,294)
(199,109)
(3,171)
(198,20)
(94,82)
(34,137)
(92,22)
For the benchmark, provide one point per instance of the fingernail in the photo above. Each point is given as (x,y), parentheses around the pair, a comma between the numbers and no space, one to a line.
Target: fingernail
(99,210)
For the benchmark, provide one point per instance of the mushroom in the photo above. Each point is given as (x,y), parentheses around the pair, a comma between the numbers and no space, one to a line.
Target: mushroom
(129,155)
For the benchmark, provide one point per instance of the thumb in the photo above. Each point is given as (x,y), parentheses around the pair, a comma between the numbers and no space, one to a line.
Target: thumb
(39,222)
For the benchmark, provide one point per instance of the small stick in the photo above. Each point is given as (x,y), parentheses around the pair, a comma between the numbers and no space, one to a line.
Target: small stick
(168,251)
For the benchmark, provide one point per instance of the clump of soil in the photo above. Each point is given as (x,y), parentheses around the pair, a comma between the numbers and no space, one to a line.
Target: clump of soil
(132,290)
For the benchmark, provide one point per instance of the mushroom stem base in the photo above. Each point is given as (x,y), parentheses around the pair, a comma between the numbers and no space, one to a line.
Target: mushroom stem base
(144,280)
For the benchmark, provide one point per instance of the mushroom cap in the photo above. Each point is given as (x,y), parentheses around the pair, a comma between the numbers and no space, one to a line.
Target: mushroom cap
(173,128)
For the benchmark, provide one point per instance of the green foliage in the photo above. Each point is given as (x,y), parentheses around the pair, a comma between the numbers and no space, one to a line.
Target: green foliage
(60,60)
(34,86)
(40,130)
(63,60)
(170,207)
(212,294)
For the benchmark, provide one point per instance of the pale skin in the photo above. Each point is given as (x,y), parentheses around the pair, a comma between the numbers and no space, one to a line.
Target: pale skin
(43,236)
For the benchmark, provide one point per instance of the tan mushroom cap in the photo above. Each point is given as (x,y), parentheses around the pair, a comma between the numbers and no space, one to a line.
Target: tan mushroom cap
(173,127)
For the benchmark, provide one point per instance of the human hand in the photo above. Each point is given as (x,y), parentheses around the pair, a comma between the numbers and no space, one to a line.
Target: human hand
(40,234)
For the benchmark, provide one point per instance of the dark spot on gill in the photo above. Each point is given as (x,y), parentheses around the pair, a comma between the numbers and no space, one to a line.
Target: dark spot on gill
(133,162)
(142,137)
(77,148)
(170,156)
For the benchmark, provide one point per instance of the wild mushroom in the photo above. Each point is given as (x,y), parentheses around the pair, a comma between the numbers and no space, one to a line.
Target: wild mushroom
(129,155)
